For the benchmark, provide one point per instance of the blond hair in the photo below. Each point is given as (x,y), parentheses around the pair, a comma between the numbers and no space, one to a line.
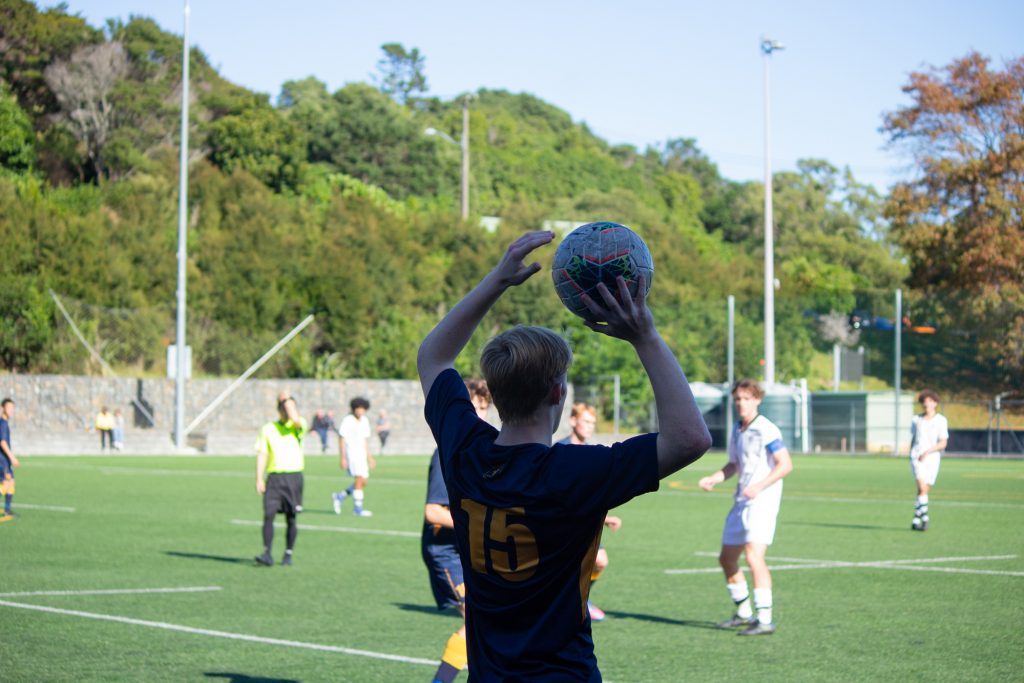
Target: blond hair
(519,366)
(580,408)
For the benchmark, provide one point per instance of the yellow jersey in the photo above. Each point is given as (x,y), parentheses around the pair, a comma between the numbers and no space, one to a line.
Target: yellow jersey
(282,442)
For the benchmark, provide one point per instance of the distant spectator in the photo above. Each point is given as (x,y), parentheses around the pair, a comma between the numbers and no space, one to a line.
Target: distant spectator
(105,426)
(383,428)
(320,425)
(118,430)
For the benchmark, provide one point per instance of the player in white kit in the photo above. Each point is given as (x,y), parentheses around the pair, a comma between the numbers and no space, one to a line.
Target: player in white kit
(929,434)
(760,459)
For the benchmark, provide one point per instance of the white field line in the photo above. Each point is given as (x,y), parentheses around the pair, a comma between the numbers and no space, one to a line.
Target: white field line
(51,508)
(165,472)
(336,529)
(908,565)
(796,497)
(220,634)
(115,591)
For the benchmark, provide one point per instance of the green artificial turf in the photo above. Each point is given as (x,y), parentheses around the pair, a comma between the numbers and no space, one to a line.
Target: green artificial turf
(170,523)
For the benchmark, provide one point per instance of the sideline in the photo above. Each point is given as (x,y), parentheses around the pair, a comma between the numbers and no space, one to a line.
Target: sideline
(220,634)
(336,529)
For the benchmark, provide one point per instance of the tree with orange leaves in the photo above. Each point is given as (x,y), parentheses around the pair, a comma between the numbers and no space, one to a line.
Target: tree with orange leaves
(961,220)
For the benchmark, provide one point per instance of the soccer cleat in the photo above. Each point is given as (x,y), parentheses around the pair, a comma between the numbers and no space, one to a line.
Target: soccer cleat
(6,517)
(362,513)
(265,559)
(758,629)
(337,498)
(286,561)
(918,524)
(737,621)
(596,613)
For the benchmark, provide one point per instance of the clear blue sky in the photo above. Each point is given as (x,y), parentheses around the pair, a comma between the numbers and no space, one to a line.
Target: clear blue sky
(638,72)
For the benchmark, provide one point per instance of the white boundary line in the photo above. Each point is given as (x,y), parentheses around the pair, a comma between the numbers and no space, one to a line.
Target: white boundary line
(52,508)
(115,591)
(221,634)
(336,529)
(907,565)
(796,497)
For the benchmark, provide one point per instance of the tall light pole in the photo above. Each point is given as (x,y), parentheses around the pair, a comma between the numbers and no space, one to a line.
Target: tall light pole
(464,145)
(768,46)
(180,358)
(465,157)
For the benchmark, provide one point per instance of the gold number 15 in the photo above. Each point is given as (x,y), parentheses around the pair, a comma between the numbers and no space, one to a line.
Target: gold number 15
(498,539)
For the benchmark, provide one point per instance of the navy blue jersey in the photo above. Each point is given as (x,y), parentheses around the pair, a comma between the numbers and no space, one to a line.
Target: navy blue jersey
(528,521)
(437,493)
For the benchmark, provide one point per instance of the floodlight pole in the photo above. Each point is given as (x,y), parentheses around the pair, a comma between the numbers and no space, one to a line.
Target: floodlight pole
(180,356)
(898,362)
(767,47)
(730,370)
(465,157)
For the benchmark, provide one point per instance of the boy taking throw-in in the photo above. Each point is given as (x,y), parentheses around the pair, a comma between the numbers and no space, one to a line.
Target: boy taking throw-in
(528,515)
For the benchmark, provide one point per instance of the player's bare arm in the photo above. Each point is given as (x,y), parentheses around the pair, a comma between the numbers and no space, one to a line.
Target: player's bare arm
(683,435)
(783,466)
(709,482)
(261,471)
(6,448)
(438,514)
(342,460)
(442,346)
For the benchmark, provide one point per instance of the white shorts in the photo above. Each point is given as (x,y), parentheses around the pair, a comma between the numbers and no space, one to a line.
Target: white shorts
(750,523)
(927,471)
(359,466)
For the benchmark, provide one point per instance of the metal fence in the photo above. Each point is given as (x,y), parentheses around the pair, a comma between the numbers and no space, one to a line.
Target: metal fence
(840,421)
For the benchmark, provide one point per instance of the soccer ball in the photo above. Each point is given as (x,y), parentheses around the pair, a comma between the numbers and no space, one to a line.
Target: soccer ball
(599,252)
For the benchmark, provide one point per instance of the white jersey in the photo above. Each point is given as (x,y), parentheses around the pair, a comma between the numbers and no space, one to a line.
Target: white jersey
(927,433)
(753,452)
(356,433)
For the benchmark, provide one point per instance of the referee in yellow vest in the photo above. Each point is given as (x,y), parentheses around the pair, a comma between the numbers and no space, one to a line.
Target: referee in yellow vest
(279,465)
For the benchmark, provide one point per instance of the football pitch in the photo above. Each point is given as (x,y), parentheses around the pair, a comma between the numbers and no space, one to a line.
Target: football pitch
(141,569)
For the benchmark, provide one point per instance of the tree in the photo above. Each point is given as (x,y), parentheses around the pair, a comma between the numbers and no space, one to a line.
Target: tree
(17,140)
(961,220)
(83,86)
(400,72)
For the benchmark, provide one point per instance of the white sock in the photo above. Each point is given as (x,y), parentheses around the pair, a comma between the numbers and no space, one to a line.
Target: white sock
(763,602)
(922,500)
(741,596)
(357,497)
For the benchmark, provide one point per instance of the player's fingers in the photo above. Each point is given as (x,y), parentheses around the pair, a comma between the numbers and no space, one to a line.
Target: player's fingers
(530,241)
(641,292)
(625,297)
(593,306)
(613,305)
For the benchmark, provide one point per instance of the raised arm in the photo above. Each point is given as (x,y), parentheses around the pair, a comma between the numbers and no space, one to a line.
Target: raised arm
(683,436)
(444,343)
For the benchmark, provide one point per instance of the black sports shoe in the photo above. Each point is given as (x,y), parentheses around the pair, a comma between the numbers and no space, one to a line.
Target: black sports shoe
(758,629)
(265,559)
(738,621)
(286,561)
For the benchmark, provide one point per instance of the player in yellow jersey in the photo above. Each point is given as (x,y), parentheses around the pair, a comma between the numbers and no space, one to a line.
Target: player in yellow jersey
(279,465)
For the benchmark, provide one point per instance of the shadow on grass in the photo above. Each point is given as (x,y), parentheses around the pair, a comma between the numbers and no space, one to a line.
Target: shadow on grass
(428,609)
(653,618)
(216,558)
(243,678)
(869,527)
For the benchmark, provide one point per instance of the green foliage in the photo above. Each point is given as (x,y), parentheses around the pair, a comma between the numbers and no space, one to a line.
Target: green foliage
(400,72)
(337,203)
(17,139)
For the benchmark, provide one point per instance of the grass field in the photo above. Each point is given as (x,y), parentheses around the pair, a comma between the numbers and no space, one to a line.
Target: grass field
(858,597)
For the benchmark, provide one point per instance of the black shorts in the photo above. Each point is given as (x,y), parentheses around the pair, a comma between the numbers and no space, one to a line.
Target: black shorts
(284,493)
